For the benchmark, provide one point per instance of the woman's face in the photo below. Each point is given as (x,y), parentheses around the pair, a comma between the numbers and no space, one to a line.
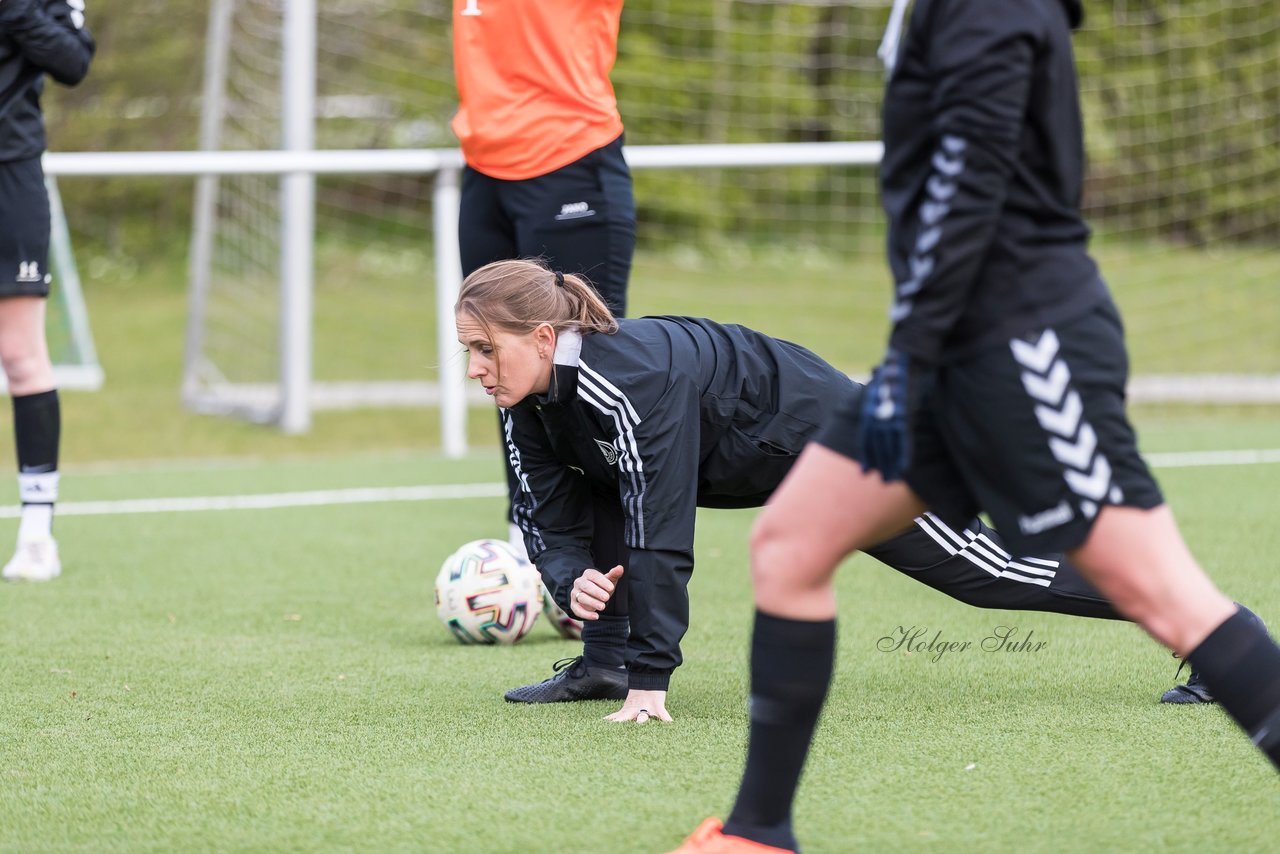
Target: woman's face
(526,359)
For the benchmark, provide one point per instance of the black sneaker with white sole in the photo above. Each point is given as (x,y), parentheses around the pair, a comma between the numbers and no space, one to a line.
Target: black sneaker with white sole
(1195,691)
(574,680)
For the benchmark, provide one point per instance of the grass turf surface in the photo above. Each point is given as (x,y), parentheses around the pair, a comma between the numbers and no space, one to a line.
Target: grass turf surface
(276,680)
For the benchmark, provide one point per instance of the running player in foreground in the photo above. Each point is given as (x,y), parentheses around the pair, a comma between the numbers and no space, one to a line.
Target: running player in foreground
(1002,390)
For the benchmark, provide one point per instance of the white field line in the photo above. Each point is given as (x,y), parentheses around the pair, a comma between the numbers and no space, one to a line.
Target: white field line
(374,495)
(1189,459)
(273,500)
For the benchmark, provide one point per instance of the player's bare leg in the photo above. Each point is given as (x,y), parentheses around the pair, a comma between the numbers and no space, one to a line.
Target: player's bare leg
(24,355)
(1138,559)
(826,508)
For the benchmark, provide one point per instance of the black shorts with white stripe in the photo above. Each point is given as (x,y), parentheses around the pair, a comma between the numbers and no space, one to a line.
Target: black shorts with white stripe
(1034,434)
(974,566)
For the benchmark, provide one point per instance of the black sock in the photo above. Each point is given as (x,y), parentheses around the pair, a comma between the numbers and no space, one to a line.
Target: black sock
(791,666)
(37,427)
(37,424)
(604,641)
(1240,664)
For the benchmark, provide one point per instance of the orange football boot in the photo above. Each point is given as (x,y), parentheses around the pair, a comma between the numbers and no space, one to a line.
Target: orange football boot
(708,839)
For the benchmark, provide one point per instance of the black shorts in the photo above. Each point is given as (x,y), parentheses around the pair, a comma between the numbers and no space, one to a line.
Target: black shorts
(24,229)
(1033,433)
(581,218)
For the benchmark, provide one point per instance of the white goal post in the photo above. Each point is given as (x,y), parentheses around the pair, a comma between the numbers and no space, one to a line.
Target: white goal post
(291,402)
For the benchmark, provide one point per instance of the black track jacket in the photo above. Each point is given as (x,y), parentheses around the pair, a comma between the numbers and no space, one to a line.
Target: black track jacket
(668,414)
(982,176)
(36,37)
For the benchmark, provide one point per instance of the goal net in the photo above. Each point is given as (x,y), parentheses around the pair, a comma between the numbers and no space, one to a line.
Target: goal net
(1182,103)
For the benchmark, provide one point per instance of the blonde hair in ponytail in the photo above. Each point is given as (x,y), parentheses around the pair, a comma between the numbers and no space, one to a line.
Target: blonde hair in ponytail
(520,295)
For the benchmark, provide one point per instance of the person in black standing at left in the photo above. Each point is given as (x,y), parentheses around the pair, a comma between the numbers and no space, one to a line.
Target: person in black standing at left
(37,37)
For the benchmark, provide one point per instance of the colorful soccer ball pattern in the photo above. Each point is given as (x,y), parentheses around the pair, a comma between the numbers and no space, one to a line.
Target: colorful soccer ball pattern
(487,594)
(566,625)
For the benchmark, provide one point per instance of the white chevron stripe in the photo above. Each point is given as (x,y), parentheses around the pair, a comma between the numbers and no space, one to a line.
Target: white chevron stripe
(1024,566)
(940,188)
(1036,356)
(921,266)
(1041,561)
(928,239)
(1065,421)
(931,213)
(910,287)
(1048,389)
(953,144)
(1079,453)
(1095,484)
(949,166)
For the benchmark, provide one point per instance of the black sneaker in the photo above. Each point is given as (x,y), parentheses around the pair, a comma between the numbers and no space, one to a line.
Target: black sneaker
(1195,691)
(573,681)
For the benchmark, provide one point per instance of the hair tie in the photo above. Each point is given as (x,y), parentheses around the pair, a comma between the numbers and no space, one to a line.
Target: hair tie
(559,279)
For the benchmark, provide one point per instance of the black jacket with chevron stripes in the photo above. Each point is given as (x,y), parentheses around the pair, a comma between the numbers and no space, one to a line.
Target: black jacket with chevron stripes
(982,176)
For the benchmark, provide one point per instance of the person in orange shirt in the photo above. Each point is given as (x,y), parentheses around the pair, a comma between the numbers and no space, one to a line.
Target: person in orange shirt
(545,178)
(542,138)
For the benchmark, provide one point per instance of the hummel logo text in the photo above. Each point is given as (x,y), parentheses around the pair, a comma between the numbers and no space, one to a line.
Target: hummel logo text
(28,271)
(575,210)
(1046,519)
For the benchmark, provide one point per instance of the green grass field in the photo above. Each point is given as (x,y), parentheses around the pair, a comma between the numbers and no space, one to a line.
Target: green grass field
(276,680)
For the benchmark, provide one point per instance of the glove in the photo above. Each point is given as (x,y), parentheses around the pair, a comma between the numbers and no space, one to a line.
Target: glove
(883,441)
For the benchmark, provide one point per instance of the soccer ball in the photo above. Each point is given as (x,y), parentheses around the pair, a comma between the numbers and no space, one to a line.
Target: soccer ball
(486,593)
(566,625)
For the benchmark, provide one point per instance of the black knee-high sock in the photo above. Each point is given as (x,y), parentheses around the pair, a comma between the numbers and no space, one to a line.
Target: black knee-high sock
(1240,664)
(37,429)
(791,666)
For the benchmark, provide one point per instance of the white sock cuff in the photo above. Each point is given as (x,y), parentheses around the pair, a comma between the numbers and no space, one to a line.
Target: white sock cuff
(38,488)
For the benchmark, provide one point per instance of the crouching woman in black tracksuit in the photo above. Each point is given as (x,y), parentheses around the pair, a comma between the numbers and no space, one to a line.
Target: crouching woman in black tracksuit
(618,430)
